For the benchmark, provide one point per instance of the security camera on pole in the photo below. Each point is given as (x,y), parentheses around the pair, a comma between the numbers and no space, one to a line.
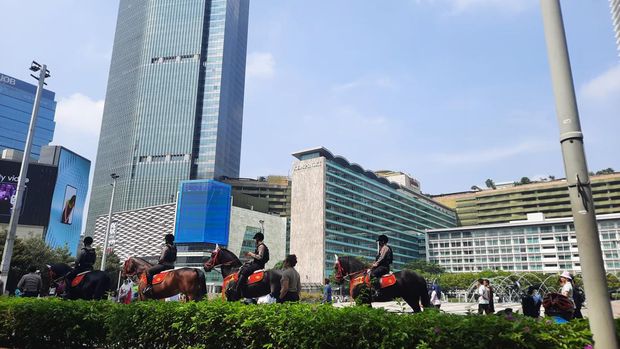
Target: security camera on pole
(23,172)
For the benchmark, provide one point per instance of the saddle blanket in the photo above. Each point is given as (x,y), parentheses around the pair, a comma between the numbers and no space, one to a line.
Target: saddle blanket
(386,280)
(158,278)
(78,278)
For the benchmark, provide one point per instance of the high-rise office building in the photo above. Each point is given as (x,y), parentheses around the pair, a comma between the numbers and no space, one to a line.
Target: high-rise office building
(337,207)
(16,101)
(174,103)
(615,17)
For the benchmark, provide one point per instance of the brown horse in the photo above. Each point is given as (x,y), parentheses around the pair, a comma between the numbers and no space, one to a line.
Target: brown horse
(266,283)
(187,281)
(406,284)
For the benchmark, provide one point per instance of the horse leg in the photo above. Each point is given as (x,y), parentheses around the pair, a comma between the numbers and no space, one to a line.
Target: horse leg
(414,302)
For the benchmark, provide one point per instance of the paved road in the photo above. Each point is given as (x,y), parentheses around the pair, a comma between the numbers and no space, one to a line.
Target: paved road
(464,308)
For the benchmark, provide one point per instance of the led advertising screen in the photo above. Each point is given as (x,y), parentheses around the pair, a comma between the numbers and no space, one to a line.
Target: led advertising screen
(70,199)
(67,211)
(37,195)
(203,212)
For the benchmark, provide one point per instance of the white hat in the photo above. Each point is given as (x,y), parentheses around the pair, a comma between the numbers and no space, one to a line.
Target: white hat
(566,275)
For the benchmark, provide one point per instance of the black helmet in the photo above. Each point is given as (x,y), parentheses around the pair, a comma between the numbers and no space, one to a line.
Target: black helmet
(169,238)
(259,236)
(383,238)
(88,240)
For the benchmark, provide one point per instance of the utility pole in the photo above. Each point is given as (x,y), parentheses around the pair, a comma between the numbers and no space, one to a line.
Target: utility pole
(571,138)
(23,172)
(107,229)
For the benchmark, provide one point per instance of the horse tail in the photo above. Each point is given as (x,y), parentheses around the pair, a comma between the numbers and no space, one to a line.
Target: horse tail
(101,286)
(202,284)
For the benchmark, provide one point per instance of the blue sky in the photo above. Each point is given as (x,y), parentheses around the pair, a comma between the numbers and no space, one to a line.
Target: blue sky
(451,91)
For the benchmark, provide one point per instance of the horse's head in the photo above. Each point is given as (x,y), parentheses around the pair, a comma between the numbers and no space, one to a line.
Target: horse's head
(129,267)
(340,271)
(214,260)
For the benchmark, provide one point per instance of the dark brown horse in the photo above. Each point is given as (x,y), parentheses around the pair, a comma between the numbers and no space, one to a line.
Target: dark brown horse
(408,285)
(228,262)
(92,285)
(187,281)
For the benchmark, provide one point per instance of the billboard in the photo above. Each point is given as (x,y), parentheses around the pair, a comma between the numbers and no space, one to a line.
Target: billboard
(37,196)
(67,209)
(203,212)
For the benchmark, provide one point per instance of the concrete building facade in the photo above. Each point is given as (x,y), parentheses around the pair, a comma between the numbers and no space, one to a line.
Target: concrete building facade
(514,203)
(337,207)
(537,244)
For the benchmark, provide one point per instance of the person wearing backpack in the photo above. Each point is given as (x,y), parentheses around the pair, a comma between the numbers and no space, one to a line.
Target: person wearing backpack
(579,297)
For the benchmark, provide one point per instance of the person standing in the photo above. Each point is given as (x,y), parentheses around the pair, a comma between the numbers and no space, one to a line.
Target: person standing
(531,303)
(487,284)
(435,297)
(259,258)
(483,298)
(290,283)
(30,284)
(566,282)
(327,292)
(166,261)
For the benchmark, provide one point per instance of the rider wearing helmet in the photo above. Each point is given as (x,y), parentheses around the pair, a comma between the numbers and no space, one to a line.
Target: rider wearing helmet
(381,266)
(85,259)
(166,261)
(259,258)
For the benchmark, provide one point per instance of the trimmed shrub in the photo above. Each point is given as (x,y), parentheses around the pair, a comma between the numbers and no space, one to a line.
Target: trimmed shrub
(53,323)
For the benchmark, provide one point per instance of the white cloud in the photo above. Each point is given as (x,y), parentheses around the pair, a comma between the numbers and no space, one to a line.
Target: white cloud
(260,65)
(604,86)
(78,122)
(492,154)
(462,6)
(367,81)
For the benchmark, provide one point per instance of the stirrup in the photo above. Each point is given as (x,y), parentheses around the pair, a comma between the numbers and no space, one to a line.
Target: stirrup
(148,290)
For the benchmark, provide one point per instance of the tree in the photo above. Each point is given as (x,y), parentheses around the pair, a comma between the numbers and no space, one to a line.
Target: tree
(490,184)
(525,180)
(475,188)
(32,252)
(424,267)
(551,177)
(279,265)
(112,262)
(608,170)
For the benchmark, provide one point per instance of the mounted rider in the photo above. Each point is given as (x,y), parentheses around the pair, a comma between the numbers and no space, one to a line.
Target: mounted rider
(259,258)
(166,261)
(381,266)
(84,261)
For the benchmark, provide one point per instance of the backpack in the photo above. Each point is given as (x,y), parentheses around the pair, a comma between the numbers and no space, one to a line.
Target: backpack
(579,296)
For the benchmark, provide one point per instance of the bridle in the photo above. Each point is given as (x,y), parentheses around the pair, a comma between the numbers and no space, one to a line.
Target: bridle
(340,271)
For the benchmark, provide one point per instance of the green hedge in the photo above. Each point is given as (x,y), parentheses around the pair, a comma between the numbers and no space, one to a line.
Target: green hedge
(52,323)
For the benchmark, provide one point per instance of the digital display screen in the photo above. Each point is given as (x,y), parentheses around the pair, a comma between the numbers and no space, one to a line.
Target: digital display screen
(70,200)
(203,212)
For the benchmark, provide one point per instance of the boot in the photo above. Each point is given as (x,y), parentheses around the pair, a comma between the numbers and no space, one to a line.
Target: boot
(148,290)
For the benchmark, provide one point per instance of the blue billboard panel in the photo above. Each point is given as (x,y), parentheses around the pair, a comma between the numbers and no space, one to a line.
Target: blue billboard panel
(203,212)
(67,212)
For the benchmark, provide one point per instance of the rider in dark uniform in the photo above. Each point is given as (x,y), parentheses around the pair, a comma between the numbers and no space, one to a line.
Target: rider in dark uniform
(166,261)
(381,266)
(259,258)
(84,261)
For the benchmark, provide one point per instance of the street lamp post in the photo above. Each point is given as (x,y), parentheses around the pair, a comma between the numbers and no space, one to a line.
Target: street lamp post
(571,139)
(107,229)
(23,172)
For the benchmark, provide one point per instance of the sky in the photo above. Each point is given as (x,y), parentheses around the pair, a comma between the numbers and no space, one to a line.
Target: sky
(450,91)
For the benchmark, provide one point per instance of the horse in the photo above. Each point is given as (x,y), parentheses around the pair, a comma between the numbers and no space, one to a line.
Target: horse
(259,284)
(405,284)
(91,285)
(187,281)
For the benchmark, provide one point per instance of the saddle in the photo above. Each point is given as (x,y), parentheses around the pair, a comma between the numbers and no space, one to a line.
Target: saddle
(78,278)
(157,278)
(385,281)
(255,277)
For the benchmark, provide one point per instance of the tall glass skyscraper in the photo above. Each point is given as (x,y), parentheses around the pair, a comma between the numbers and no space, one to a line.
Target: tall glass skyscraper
(16,101)
(174,103)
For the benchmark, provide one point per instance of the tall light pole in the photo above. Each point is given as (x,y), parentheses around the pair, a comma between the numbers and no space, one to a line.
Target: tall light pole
(107,228)
(571,138)
(23,172)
